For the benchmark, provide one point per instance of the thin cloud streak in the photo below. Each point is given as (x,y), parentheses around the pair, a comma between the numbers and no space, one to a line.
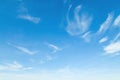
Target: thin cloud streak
(15,66)
(23,13)
(54,47)
(87,36)
(23,49)
(117,37)
(105,25)
(112,48)
(104,39)
(117,21)
(30,18)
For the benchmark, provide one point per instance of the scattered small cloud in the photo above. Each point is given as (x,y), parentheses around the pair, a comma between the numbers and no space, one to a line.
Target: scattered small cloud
(104,39)
(15,66)
(23,49)
(117,37)
(30,18)
(54,47)
(117,21)
(23,13)
(112,48)
(80,24)
(87,36)
(105,26)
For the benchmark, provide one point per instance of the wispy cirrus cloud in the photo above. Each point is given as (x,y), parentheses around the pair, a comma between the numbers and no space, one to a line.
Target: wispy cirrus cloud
(29,18)
(114,46)
(104,39)
(80,24)
(117,37)
(105,25)
(24,14)
(23,49)
(117,21)
(53,47)
(87,36)
(14,66)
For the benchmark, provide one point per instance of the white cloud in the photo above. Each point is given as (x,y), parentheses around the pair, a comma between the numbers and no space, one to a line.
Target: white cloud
(117,37)
(15,66)
(30,18)
(23,13)
(117,21)
(54,47)
(23,49)
(112,48)
(80,24)
(104,39)
(86,36)
(105,26)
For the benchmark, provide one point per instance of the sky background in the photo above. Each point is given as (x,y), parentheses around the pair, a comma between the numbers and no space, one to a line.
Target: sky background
(59,40)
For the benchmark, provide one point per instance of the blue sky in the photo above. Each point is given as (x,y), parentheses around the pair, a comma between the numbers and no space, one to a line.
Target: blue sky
(59,40)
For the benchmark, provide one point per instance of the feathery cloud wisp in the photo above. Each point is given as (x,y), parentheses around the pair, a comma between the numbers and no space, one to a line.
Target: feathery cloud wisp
(24,14)
(117,37)
(86,36)
(23,49)
(104,26)
(15,66)
(80,23)
(103,40)
(112,48)
(30,18)
(54,47)
(117,21)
